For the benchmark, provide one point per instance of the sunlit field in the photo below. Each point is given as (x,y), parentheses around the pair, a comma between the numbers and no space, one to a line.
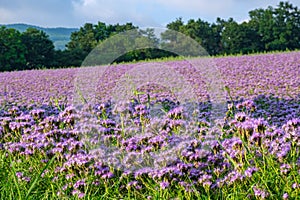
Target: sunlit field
(59,140)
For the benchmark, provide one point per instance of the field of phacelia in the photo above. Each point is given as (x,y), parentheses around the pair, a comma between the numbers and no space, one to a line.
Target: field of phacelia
(75,134)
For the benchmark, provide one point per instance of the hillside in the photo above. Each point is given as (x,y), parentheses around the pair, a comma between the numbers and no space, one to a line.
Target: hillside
(60,36)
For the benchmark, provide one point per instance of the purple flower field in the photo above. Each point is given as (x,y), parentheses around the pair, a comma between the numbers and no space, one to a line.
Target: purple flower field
(76,133)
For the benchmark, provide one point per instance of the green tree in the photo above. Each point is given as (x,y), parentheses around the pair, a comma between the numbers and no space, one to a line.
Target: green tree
(40,49)
(83,39)
(176,25)
(287,27)
(206,34)
(239,38)
(180,44)
(147,45)
(279,28)
(81,44)
(101,31)
(67,58)
(12,50)
(124,27)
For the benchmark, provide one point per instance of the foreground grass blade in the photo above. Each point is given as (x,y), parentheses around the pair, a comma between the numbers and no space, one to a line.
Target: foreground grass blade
(38,177)
(15,179)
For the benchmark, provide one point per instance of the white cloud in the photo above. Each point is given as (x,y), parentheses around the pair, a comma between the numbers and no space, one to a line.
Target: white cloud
(139,12)
(115,11)
(6,15)
(146,12)
(91,9)
(199,6)
(243,20)
(43,13)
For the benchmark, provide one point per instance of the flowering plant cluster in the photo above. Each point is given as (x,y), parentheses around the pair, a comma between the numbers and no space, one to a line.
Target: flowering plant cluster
(50,148)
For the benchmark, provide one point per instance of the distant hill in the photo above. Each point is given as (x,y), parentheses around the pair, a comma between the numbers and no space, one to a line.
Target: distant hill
(60,36)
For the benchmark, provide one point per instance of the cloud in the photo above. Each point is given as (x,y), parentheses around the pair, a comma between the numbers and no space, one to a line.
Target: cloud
(149,13)
(143,13)
(6,15)
(91,9)
(114,11)
(158,12)
(44,13)
(198,6)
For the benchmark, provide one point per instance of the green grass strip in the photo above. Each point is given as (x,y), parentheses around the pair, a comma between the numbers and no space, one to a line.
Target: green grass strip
(38,177)
(15,178)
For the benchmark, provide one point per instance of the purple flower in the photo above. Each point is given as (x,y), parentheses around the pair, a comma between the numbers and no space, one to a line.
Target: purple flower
(26,179)
(285,196)
(285,169)
(296,185)
(176,113)
(164,184)
(107,175)
(207,184)
(81,195)
(75,192)
(260,193)
(19,174)
(249,172)
(241,117)
(256,138)
(79,183)
(134,184)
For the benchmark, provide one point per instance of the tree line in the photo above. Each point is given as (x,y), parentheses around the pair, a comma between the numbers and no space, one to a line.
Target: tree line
(269,29)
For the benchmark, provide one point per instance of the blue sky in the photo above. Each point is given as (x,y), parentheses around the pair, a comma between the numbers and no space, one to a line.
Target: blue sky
(144,13)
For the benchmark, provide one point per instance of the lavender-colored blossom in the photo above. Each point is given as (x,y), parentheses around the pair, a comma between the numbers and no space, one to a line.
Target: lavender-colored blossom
(260,193)
(26,179)
(19,175)
(285,196)
(285,169)
(249,172)
(107,175)
(164,185)
(81,195)
(79,183)
(296,185)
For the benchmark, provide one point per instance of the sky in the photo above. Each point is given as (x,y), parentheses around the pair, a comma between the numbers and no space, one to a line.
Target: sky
(143,13)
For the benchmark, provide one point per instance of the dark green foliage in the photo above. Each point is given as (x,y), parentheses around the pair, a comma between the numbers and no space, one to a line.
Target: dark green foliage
(83,41)
(279,27)
(60,36)
(268,29)
(239,38)
(144,54)
(28,50)
(40,49)
(12,50)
